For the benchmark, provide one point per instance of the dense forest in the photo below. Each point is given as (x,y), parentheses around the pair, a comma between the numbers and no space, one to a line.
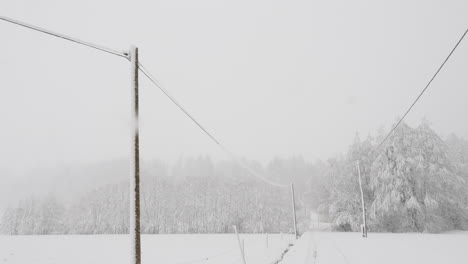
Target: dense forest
(415,182)
(195,195)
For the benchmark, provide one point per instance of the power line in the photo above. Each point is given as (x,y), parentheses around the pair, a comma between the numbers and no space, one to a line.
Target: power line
(111,51)
(238,160)
(62,36)
(154,81)
(422,92)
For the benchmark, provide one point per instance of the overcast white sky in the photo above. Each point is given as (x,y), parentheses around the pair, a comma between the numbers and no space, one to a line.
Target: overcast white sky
(268,78)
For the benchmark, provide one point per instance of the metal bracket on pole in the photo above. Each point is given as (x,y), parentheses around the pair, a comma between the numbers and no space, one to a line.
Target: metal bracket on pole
(134,226)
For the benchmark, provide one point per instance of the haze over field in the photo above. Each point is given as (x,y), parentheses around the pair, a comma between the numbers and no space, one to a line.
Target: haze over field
(263,117)
(268,78)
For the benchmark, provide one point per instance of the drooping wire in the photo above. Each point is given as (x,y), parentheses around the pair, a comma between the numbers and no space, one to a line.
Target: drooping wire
(143,69)
(238,160)
(374,210)
(62,36)
(424,90)
(155,82)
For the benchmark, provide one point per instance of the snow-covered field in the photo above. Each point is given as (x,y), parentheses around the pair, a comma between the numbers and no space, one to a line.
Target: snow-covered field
(312,247)
(168,249)
(381,248)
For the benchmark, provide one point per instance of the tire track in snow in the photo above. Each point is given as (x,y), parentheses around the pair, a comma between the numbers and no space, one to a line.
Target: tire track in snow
(312,247)
(346,259)
(304,251)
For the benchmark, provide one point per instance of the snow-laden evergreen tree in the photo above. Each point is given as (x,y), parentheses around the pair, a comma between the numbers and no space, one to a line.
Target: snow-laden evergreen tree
(345,209)
(415,183)
(458,152)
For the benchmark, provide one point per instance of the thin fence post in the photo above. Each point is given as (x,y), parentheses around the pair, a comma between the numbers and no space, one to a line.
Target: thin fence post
(318,220)
(240,245)
(243,247)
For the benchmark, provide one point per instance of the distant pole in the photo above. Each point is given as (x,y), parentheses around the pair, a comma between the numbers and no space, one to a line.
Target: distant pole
(135,164)
(241,247)
(294,210)
(364,225)
(318,220)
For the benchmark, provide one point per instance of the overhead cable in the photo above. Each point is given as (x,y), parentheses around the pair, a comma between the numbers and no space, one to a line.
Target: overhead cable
(238,160)
(62,36)
(424,90)
(154,81)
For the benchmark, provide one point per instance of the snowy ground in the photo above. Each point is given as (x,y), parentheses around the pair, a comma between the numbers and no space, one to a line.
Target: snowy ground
(312,247)
(350,248)
(168,249)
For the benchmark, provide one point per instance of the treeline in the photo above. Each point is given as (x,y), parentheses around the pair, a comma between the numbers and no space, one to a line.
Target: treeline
(196,195)
(416,182)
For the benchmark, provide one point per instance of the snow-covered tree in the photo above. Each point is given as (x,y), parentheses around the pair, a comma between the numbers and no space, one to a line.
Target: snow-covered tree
(206,197)
(415,183)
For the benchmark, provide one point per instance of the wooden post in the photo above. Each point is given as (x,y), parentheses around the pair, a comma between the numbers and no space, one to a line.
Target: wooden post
(318,220)
(294,210)
(240,245)
(243,247)
(364,225)
(134,226)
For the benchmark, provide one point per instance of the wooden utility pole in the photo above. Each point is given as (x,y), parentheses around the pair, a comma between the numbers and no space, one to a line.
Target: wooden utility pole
(134,226)
(294,210)
(364,225)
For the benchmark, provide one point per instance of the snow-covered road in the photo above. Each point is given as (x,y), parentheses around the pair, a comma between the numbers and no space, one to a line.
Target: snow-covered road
(351,248)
